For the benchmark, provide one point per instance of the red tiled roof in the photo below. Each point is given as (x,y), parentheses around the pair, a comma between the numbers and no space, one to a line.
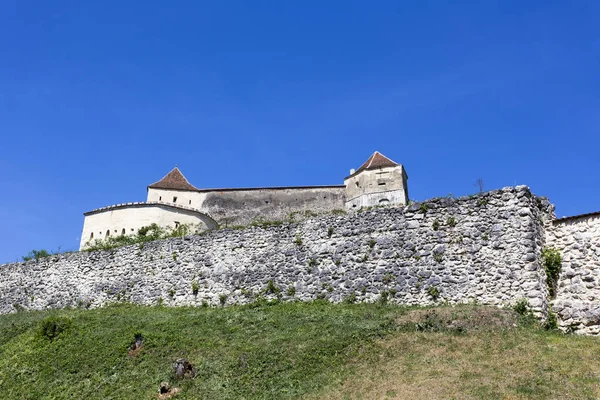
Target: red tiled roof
(376,161)
(173,180)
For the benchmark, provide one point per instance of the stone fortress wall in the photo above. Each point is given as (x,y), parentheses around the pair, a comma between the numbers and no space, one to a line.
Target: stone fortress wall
(577,302)
(485,248)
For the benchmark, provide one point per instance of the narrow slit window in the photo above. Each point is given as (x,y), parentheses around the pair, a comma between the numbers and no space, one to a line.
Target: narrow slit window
(91,235)
(175,199)
(190,202)
(159,198)
(123,231)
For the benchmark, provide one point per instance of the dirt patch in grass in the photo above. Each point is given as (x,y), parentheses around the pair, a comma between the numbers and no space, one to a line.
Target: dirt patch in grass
(458,319)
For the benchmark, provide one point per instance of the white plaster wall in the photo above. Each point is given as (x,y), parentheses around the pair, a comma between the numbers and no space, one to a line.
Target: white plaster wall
(185,198)
(369,187)
(131,218)
(375,199)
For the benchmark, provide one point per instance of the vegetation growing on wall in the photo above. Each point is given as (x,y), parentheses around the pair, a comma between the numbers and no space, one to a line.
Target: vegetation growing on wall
(36,255)
(552,263)
(145,234)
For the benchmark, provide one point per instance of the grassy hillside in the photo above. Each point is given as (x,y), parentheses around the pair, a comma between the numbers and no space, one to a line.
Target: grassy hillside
(293,350)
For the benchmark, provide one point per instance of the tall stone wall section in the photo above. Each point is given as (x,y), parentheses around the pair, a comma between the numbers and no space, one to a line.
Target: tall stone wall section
(485,248)
(244,206)
(577,302)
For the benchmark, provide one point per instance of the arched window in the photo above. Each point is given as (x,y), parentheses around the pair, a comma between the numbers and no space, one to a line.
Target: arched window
(91,235)
(384,202)
(108,233)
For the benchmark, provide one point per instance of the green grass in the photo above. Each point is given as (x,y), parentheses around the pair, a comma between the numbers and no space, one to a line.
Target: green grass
(293,350)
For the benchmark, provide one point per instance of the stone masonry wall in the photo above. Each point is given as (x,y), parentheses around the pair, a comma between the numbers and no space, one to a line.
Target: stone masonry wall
(577,302)
(484,248)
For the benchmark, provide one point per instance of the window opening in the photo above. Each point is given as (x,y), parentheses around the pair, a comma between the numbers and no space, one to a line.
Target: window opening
(175,199)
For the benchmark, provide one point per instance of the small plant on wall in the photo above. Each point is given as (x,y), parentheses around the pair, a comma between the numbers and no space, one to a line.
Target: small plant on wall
(434,292)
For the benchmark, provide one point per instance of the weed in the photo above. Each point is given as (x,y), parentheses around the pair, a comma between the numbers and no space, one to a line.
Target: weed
(291,291)
(384,297)
(372,243)
(521,307)
(423,208)
(388,278)
(195,287)
(272,288)
(436,224)
(451,222)
(329,231)
(551,322)
(438,257)
(298,240)
(350,299)
(222,299)
(434,292)
(312,262)
(36,255)
(171,293)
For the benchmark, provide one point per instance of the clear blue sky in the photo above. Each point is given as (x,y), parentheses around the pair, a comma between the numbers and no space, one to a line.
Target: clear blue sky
(100,99)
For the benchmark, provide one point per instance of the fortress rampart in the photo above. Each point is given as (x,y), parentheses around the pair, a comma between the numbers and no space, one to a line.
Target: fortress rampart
(484,248)
(578,296)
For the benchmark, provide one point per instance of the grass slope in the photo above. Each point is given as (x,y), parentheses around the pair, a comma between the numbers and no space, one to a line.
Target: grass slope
(294,350)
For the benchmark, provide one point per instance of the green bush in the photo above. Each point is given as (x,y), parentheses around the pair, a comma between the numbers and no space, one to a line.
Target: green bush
(521,307)
(51,327)
(552,262)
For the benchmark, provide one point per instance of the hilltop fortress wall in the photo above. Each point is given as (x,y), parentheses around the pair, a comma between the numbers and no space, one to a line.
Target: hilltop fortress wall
(577,302)
(483,249)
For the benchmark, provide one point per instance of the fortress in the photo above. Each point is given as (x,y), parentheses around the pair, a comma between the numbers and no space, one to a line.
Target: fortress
(489,248)
(173,201)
